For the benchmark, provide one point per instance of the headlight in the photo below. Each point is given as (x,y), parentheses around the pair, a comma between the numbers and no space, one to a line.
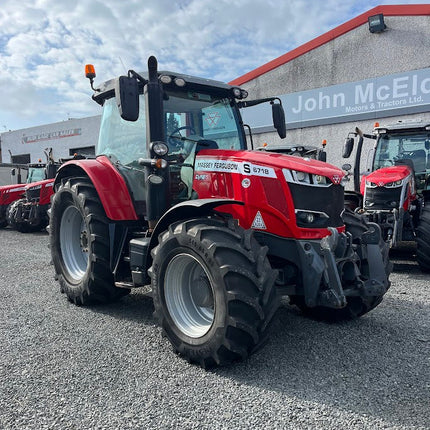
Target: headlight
(305,178)
(394,184)
(160,148)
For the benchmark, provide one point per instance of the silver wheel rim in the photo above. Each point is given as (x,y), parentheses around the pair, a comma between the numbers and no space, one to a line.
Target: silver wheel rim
(74,242)
(189,295)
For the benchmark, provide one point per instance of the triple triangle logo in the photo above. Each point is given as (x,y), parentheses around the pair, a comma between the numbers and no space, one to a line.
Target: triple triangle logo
(258,222)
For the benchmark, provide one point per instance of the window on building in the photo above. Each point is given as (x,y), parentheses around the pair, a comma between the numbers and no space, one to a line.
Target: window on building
(21,159)
(88,151)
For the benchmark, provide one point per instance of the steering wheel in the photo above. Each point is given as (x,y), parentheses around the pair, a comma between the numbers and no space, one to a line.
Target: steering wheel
(176,141)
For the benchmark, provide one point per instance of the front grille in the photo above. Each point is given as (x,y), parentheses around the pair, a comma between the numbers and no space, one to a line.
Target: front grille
(32,194)
(318,200)
(382,198)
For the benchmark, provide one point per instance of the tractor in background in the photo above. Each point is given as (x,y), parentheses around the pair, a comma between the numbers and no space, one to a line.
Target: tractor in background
(214,233)
(29,213)
(9,194)
(304,151)
(395,190)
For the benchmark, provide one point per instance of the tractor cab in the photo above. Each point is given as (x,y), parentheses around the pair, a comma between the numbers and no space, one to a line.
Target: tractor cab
(169,117)
(405,143)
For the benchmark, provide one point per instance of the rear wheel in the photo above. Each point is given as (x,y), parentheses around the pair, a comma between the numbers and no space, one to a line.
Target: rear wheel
(79,239)
(423,240)
(213,289)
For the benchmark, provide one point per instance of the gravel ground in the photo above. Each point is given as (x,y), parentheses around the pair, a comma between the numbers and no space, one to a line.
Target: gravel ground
(107,367)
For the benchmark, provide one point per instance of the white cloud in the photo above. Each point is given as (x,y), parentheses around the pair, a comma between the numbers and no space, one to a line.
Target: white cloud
(44,44)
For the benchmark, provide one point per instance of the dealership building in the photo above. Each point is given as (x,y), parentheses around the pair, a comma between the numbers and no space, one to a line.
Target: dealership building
(375,67)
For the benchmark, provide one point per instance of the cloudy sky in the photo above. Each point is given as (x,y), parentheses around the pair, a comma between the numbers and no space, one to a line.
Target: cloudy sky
(45,44)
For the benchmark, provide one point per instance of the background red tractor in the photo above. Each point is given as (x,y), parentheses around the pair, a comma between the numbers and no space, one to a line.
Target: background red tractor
(215,233)
(395,193)
(28,212)
(304,151)
(11,193)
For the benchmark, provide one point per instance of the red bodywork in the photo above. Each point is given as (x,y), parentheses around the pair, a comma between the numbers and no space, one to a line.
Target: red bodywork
(10,193)
(44,190)
(387,175)
(110,186)
(257,179)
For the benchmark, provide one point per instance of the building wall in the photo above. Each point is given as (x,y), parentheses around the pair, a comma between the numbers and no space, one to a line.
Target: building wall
(353,56)
(60,136)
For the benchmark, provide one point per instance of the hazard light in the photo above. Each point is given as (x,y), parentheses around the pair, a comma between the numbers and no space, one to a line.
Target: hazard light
(90,72)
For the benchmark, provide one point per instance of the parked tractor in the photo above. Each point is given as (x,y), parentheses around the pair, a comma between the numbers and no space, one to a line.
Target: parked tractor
(304,151)
(11,193)
(395,193)
(215,233)
(29,211)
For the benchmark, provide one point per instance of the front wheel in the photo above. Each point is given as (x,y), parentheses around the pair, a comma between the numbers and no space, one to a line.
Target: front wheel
(423,240)
(79,242)
(213,289)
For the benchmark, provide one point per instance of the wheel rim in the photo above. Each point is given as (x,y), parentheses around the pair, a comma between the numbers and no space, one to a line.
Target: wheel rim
(74,243)
(189,295)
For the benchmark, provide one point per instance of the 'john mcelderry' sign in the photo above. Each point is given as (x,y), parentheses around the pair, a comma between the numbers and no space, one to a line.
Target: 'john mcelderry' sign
(371,98)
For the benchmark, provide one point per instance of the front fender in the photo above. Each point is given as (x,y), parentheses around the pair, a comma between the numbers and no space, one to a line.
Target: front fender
(187,210)
(108,182)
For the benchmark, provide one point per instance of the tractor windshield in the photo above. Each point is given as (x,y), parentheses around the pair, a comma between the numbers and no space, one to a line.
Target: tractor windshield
(190,118)
(193,116)
(35,174)
(392,148)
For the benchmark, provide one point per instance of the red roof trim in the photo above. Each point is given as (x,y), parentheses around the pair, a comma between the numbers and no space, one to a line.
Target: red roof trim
(388,10)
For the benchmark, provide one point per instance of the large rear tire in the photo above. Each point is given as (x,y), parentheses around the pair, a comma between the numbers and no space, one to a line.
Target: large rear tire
(423,240)
(79,241)
(213,289)
(356,306)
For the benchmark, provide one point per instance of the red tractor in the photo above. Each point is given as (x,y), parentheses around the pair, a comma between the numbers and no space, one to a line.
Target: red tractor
(216,234)
(304,151)
(396,194)
(29,211)
(9,194)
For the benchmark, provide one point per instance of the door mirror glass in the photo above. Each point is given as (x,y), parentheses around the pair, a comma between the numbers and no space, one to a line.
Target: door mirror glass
(348,147)
(127,98)
(278,116)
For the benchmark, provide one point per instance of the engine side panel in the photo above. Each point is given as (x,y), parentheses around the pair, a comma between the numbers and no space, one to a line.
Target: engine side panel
(258,180)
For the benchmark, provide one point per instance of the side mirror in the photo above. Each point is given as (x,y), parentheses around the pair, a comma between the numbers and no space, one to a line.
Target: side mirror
(348,147)
(13,172)
(278,116)
(322,156)
(127,98)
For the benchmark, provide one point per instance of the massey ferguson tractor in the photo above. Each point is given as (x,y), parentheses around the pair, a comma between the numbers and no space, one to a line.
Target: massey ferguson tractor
(29,211)
(396,194)
(9,194)
(216,234)
(304,151)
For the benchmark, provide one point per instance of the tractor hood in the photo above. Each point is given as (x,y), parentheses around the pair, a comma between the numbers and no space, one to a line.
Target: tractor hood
(39,184)
(386,175)
(6,189)
(275,160)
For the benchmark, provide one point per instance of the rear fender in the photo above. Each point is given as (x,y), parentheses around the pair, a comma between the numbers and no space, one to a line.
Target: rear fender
(108,182)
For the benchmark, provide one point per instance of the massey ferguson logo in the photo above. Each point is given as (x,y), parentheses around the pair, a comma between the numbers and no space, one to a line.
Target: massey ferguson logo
(336,179)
